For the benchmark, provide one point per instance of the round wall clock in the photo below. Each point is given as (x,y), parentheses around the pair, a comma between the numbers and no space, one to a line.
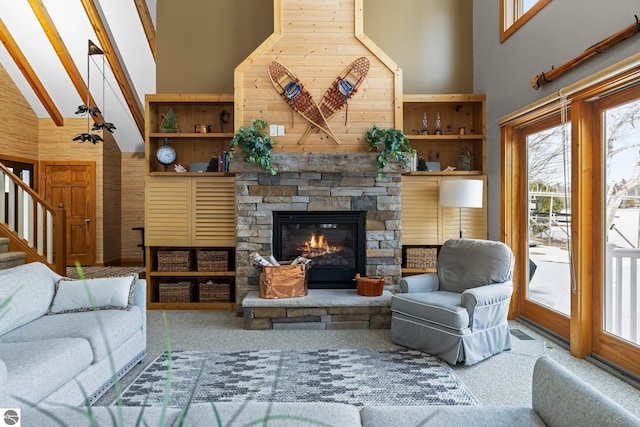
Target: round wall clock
(166,154)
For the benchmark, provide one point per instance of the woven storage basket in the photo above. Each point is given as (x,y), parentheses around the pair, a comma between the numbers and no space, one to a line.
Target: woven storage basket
(422,257)
(212,260)
(174,260)
(214,292)
(370,286)
(176,292)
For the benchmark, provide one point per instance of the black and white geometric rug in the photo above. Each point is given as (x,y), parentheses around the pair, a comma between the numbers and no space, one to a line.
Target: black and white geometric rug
(359,377)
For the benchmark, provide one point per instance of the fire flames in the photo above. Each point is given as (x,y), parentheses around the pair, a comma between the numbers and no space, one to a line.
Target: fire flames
(317,246)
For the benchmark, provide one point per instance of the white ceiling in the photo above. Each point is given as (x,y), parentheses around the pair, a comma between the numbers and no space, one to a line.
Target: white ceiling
(71,21)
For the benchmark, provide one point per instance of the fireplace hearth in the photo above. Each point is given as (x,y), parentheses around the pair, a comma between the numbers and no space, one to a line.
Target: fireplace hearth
(334,241)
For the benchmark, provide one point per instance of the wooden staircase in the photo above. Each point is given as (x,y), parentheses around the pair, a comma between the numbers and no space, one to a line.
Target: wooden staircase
(9,259)
(30,229)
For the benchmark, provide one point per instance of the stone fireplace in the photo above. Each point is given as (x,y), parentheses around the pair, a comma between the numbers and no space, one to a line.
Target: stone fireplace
(333,240)
(317,183)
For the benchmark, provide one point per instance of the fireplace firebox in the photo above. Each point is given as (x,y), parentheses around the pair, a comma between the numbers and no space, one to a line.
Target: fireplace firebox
(334,241)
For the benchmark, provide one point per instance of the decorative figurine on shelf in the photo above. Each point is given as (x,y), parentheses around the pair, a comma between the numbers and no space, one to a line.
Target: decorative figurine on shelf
(179,168)
(438,130)
(465,159)
(169,122)
(425,125)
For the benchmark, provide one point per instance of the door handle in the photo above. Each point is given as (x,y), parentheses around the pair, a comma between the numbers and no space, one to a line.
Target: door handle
(87,220)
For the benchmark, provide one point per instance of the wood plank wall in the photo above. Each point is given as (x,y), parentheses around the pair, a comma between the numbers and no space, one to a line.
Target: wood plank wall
(18,122)
(111,214)
(316,41)
(133,170)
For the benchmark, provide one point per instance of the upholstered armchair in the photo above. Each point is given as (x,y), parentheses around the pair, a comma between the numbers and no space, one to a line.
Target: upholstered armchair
(460,312)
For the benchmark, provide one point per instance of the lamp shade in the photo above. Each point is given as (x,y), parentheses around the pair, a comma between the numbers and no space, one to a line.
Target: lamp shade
(461,193)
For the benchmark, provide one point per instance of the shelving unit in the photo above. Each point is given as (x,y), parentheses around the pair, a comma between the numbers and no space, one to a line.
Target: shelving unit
(190,110)
(189,211)
(456,112)
(424,221)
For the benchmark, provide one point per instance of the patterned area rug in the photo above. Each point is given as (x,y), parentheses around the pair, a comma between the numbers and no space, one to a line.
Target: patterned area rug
(357,377)
(93,272)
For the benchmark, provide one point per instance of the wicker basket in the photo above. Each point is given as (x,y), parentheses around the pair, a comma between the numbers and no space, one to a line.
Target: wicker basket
(212,260)
(422,257)
(174,260)
(370,286)
(214,292)
(176,292)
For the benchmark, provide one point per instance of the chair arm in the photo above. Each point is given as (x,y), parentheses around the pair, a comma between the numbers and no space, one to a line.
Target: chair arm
(487,305)
(426,282)
(140,299)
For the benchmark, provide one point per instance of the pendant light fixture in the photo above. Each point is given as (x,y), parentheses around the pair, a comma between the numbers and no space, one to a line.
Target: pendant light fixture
(92,110)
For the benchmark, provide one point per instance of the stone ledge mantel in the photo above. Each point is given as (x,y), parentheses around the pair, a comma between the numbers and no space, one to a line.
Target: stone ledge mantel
(317,162)
(320,309)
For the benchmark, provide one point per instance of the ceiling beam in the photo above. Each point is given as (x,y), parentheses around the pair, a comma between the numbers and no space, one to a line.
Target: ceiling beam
(63,53)
(147,24)
(98,21)
(32,78)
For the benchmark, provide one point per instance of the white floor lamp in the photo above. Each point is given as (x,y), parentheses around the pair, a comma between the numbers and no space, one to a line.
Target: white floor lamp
(461,193)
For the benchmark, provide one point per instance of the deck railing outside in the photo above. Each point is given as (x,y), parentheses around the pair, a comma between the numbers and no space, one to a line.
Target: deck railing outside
(621,292)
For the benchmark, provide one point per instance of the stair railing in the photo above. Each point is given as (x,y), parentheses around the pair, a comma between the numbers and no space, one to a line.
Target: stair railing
(32,225)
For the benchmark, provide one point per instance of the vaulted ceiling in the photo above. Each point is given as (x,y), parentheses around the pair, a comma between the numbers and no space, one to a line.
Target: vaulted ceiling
(45,51)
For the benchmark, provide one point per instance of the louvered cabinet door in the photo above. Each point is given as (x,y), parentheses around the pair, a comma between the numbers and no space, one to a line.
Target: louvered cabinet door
(472,220)
(214,207)
(420,219)
(168,211)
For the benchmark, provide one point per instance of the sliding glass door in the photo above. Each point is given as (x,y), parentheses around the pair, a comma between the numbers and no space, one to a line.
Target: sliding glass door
(547,298)
(617,324)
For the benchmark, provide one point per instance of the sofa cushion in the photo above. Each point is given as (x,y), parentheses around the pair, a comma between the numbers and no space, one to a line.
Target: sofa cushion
(103,293)
(580,404)
(29,290)
(101,416)
(36,368)
(469,263)
(448,416)
(277,414)
(118,325)
(442,308)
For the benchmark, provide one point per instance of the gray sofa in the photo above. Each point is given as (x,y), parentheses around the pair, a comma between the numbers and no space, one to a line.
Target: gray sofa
(559,398)
(54,348)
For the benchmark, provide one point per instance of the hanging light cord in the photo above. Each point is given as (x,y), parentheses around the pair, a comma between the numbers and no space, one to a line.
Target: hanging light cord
(567,199)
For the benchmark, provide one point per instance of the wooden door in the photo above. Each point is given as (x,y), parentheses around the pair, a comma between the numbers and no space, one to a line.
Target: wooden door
(72,185)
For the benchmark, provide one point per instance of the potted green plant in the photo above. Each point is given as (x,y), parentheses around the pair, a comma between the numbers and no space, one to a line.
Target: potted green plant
(169,122)
(390,143)
(255,144)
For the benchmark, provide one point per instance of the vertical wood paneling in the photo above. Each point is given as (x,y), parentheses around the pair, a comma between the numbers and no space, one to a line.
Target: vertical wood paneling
(132,196)
(316,40)
(112,212)
(19,124)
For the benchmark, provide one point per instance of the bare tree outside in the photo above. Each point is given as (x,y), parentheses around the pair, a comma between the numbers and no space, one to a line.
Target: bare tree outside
(622,133)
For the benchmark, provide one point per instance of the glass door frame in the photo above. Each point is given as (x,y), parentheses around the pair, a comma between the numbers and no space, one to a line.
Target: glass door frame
(585,332)
(605,345)
(515,223)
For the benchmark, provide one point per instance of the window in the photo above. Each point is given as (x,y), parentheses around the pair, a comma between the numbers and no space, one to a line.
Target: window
(514,14)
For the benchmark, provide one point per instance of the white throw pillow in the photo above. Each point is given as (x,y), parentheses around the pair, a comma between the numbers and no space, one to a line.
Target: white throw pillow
(107,293)
(25,294)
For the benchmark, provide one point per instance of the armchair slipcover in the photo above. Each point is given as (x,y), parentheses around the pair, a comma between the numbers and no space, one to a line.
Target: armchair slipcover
(460,312)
